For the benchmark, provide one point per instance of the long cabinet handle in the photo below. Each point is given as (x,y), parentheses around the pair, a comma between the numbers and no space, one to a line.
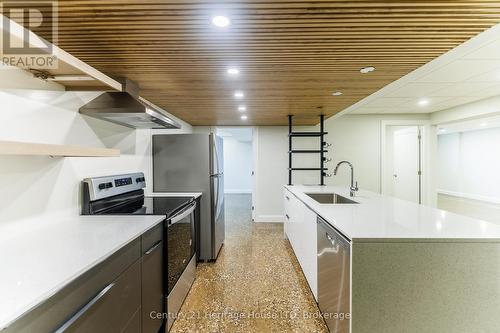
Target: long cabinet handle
(82,311)
(154,247)
(287,197)
(287,217)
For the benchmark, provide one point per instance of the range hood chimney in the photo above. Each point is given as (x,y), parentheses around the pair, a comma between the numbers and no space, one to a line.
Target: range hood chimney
(128,109)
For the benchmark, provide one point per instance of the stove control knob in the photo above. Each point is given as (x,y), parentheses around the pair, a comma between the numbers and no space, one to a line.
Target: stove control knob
(102,186)
(109,185)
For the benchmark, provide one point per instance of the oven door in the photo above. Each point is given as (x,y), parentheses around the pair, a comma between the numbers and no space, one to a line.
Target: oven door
(180,244)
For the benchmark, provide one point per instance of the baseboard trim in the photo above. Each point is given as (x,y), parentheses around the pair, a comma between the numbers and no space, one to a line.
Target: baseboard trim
(269,218)
(238,191)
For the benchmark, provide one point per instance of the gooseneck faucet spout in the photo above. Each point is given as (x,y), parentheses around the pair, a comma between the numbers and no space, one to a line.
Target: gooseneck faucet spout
(353,188)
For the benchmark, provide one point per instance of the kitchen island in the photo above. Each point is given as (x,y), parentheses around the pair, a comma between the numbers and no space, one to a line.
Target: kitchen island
(411,268)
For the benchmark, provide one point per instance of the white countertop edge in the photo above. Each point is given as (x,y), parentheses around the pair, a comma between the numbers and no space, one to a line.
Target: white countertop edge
(61,285)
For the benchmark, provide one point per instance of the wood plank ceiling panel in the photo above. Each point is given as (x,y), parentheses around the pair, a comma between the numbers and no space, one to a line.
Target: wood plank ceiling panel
(292,54)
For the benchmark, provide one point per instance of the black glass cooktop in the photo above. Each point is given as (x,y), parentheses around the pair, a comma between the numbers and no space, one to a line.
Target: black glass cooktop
(151,206)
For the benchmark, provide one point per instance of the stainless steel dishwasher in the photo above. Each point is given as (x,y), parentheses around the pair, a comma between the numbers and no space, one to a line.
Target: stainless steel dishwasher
(334,253)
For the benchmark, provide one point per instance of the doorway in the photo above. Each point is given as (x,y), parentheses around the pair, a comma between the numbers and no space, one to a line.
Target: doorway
(402,171)
(238,165)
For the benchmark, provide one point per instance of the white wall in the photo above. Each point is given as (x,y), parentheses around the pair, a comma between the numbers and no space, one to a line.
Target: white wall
(469,164)
(271,172)
(357,138)
(238,165)
(34,186)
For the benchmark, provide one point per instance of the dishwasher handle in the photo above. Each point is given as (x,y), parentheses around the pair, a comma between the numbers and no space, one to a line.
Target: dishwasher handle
(334,236)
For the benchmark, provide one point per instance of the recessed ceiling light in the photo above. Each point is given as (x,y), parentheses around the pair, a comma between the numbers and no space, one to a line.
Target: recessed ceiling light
(221,21)
(242,108)
(484,124)
(243,117)
(336,93)
(233,71)
(423,102)
(239,94)
(365,70)
(442,130)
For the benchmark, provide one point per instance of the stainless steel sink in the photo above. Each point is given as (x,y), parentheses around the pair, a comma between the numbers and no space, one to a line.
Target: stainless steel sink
(330,198)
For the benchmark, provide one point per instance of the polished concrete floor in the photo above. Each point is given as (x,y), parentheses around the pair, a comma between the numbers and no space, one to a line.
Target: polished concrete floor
(254,286)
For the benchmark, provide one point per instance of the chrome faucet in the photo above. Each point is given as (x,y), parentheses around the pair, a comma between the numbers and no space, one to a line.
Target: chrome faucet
(353,188)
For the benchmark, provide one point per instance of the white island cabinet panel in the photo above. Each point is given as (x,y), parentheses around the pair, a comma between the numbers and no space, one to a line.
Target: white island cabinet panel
(300,228)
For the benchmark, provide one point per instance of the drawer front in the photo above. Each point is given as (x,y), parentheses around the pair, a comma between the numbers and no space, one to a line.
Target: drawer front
(112,308)
(287,197)
(152,288)
(134,325)
(51,314)
(152,237)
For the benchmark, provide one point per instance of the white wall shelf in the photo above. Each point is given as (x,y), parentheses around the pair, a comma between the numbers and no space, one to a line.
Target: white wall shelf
(41,149)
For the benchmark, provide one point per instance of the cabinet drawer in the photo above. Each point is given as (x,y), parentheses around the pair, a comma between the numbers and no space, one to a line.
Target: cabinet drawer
(134,325)
(54,312)
(286,199)
(152,288)
(112,308)
(152,237)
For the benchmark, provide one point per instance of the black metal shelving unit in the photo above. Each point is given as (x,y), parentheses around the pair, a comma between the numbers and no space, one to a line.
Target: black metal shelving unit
(321,151)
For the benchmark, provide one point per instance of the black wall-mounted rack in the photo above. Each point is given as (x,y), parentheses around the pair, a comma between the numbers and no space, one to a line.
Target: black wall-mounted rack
(321,151)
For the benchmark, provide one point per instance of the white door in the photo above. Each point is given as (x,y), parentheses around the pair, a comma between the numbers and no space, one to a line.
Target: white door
(406,164)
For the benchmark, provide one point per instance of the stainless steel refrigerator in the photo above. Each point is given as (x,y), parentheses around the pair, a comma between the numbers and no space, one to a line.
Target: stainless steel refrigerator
(194,163)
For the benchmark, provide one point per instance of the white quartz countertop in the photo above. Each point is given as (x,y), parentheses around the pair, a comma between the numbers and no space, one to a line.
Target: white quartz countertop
(176,194)
(384,217)
(40,256)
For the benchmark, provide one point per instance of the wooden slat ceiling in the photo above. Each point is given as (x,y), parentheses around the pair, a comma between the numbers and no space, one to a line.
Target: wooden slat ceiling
(292,54)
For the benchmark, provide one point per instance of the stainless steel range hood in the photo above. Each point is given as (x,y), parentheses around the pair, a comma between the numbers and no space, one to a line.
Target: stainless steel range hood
(128,109)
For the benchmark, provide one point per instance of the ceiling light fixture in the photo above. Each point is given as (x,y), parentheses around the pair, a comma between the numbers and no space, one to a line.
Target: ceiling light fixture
(242,108)
(484,124)
(423,102)
(221,21)
(337,93)
(442,130)
(244,117)
(366,70)
(239,94)
(233,71)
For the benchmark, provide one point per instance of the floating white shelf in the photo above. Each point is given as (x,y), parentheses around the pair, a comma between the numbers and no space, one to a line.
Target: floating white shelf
(41,149)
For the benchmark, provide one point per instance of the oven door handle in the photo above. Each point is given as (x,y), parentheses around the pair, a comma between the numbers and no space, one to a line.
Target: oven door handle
(183,214)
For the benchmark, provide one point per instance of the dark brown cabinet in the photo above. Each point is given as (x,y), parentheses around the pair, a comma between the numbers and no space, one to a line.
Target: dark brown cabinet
(111,309)
(152,281)
(116,296)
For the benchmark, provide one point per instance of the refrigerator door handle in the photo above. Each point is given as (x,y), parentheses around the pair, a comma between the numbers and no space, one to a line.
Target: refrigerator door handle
(216,155)
(216,196)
